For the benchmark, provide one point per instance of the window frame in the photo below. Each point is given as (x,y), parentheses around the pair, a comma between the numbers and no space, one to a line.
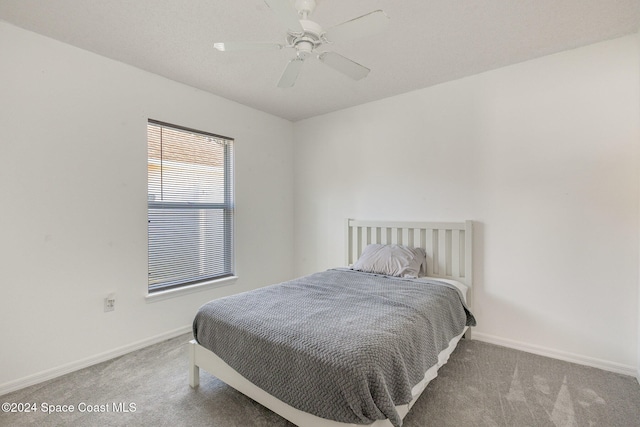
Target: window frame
(228,218)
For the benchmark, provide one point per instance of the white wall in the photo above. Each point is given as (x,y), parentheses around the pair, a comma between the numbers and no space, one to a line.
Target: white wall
(543,155)
(73,190)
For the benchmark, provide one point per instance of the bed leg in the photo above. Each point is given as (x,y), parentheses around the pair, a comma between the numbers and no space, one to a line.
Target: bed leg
(467,334)
(194,370)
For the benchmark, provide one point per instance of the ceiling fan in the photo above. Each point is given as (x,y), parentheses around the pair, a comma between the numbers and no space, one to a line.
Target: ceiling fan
(306,36)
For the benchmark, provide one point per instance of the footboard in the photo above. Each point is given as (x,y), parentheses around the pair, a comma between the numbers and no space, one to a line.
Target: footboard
(200,357)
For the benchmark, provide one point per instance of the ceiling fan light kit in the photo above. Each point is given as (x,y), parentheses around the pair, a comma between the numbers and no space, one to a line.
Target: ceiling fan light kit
(305,36)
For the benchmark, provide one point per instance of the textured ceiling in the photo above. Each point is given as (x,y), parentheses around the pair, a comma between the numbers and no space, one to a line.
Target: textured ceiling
(427,42)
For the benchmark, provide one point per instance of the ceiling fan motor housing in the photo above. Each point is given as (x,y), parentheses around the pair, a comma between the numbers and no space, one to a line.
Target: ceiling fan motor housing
(309,40)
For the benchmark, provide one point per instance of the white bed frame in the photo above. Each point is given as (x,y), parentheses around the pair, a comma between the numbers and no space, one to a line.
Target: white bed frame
(449,256)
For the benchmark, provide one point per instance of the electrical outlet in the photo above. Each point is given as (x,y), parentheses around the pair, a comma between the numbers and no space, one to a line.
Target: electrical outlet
(110,302)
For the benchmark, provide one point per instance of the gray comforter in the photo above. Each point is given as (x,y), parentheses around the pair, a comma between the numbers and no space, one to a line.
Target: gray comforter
(342,345)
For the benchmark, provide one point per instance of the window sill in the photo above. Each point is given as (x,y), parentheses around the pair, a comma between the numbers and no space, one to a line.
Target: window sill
(176,292)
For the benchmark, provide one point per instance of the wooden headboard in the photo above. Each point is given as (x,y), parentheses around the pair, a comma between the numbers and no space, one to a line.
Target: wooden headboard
(448,244)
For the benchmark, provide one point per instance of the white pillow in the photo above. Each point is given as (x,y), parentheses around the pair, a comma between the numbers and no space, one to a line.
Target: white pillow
(392,260)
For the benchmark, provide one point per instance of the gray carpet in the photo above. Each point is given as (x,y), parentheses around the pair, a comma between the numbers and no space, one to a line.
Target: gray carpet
(482,385)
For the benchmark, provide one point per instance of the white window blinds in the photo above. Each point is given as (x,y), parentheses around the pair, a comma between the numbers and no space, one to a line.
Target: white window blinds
(190,206)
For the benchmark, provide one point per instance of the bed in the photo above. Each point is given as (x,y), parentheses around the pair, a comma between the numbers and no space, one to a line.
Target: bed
(347,346)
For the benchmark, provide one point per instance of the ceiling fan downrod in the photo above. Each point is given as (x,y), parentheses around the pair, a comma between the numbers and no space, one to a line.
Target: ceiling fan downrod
(305,8)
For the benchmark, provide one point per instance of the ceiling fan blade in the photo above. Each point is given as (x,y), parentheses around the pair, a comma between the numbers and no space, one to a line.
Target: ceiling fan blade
(365,25)
(344,65)
(290,73)
(286,14)
(227,47)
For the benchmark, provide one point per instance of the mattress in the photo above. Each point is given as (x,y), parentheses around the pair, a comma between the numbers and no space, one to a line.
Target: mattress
(342,345)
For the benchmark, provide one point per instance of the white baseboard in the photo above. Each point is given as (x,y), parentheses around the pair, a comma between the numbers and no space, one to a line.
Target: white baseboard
(560,355)
(49,374)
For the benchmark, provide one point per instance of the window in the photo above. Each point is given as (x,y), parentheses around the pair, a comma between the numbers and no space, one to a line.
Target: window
(190,206)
